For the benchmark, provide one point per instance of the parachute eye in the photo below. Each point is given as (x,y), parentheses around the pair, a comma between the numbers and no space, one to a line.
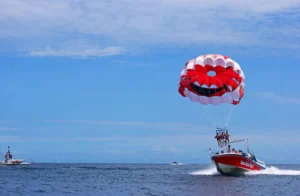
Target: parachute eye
(211,73)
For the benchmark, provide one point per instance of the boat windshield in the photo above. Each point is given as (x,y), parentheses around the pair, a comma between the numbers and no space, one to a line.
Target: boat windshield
(261,162)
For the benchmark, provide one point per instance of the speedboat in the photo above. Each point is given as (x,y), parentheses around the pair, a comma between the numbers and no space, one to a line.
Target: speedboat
(10,161)
(237,162)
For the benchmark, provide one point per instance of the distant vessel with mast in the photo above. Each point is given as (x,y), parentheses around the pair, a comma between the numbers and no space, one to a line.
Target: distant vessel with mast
(10,161)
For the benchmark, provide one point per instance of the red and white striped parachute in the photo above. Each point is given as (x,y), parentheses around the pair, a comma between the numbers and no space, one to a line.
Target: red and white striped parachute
(212,79)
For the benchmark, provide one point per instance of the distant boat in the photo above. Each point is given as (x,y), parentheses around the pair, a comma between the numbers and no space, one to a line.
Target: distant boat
(10,161)
(175,163)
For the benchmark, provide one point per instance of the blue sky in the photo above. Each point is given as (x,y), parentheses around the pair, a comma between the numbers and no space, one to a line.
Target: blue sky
(91,81)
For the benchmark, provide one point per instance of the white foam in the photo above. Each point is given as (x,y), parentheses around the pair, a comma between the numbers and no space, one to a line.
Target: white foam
(274,171)
(269,171)
(206,172)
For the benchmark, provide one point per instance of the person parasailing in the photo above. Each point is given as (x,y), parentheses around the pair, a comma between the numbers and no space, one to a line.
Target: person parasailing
(218,138)
(227,137)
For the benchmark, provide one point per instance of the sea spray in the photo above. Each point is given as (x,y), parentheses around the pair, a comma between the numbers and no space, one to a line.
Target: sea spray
(274,171)
(211,170)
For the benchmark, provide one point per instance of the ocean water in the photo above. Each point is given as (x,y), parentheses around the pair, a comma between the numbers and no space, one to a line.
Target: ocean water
(145,179)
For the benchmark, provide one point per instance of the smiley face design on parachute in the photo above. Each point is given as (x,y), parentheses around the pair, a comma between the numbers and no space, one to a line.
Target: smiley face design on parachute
(212,79)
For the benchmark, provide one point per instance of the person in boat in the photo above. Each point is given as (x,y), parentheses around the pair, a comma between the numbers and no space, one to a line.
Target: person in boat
(228,149)
(242,153)
(234,151)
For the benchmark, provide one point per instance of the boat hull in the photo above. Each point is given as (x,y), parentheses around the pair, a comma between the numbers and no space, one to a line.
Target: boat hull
(235,164)
(11,163)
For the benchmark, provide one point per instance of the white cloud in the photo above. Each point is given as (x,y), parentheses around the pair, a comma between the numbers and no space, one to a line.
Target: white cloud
(148,22)
(112,151)
(154,125)
(277,98)
(78,48)
(174,150)
(97,152)
(9,129)
(256,6)
(8,121)
(171,143)
(8,138)
(159,150)
(119,62)
(156,149)
(86,52)
(143,140)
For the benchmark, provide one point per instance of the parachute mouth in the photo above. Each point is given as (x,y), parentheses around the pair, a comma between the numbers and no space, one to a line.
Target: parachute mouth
(202,91)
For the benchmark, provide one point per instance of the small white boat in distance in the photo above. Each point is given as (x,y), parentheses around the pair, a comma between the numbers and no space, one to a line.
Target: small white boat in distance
(175,163)
(10,161)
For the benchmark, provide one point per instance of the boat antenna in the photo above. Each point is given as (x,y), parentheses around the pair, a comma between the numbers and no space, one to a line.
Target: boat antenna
(246,140)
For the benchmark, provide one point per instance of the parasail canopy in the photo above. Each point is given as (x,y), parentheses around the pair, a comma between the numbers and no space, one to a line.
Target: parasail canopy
(212,79)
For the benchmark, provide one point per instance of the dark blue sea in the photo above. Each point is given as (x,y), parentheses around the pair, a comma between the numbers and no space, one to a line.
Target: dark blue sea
(144,179)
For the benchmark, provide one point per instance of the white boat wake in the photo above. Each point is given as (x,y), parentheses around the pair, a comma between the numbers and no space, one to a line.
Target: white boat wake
(206,172)
(269,171)
(274,171)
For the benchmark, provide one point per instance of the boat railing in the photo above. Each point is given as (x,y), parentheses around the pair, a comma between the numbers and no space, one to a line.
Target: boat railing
(212,154)
(261,162)
(217,153)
